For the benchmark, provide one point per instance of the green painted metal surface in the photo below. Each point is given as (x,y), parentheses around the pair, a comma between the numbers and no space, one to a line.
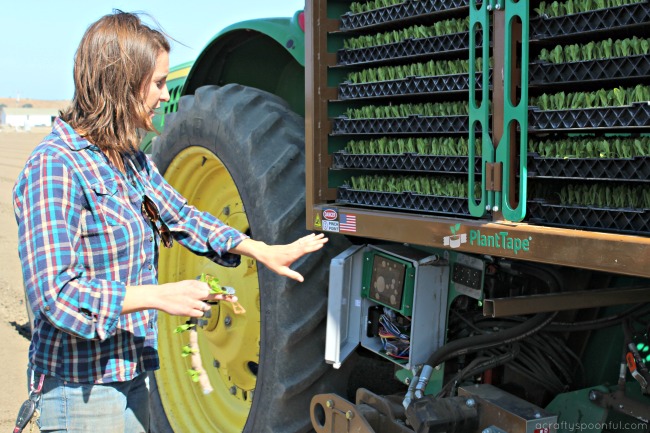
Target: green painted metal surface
(268,54)
(285,31)
(387,271)
(577,413)
(479,109)
(434,386)
(515,119)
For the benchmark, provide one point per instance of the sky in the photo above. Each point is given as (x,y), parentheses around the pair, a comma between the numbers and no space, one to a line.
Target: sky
(38,38)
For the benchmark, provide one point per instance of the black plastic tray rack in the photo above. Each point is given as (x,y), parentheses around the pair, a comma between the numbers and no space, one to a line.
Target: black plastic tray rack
(408,86)
(633,221)
(405,161)
(636,115)
(408,48)
(591,70)
(630,169)
(402,125)
(404,201)
(408,9)
(601,19)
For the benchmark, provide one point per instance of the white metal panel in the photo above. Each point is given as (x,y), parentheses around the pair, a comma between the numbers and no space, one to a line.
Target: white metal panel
(344,305)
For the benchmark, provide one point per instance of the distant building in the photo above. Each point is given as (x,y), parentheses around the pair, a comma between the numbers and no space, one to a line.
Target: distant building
(26,118)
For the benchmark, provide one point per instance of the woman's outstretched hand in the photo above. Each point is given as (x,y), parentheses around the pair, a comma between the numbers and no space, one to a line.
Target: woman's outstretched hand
(279,258)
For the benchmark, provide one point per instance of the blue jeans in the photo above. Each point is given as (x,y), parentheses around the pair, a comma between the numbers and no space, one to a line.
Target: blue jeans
(106,408)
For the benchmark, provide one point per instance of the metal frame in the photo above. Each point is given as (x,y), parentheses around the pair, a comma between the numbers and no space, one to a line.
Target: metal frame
(616,253)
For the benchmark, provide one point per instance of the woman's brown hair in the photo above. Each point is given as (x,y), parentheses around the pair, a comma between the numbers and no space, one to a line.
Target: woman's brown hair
(115,59)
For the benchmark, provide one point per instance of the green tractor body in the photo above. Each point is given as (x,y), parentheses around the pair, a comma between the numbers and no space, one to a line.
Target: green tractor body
(486,196)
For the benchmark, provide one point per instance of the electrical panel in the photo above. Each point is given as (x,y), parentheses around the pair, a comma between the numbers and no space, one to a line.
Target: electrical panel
(391,300)
(389,281)
(467,275)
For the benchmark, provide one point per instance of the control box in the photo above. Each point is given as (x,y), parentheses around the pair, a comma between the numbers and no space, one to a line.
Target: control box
(391,300)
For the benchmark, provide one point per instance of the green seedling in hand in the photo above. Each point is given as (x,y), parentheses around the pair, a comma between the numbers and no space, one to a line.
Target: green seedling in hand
(183,328)
(215,287)
(227,292)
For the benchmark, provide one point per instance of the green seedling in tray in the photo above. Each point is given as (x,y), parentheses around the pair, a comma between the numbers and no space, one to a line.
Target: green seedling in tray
(606,196)
(428,69)
(443,186)
(439,28)
(457,108)
(592,147)
(557,9)
(359,7)
(596,50)
(440,146)
(616,97)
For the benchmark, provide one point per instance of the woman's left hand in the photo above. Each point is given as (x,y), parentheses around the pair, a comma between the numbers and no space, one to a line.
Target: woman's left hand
(278,258)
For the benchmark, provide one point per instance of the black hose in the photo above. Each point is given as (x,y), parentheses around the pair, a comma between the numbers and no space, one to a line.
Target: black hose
(603,322)
(552,280)
(479,365)
(486,341)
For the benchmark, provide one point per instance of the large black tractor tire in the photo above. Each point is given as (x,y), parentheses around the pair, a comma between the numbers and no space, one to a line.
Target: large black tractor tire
(261,143)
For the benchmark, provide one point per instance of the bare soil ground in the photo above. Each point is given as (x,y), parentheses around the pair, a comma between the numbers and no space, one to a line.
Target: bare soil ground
(35,103)
(15,147)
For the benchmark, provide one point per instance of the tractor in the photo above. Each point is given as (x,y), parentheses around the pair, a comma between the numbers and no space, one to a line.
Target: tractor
(482,172)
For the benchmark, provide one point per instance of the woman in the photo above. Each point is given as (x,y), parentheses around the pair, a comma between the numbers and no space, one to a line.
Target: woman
(92,211)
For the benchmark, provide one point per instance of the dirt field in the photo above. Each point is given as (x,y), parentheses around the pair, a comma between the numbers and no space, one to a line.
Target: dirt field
(15,147)
(35,103)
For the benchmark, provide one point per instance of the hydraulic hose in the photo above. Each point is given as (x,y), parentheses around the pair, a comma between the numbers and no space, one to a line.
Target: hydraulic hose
(486,341)
(604,322)
(479,342)
(479,365)
(552,280)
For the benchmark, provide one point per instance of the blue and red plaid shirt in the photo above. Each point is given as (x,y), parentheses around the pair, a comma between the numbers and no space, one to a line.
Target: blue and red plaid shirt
(82,240)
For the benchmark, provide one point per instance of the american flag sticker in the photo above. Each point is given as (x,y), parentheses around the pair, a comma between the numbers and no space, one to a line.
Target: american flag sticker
(348,223)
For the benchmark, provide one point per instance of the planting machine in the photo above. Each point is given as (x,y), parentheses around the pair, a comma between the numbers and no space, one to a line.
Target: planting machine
(482,170)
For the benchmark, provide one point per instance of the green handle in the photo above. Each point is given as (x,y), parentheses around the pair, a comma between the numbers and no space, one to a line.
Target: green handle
(514,114)
(479,18)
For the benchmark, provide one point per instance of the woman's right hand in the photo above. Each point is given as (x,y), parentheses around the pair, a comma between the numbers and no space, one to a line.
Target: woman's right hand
(182,298)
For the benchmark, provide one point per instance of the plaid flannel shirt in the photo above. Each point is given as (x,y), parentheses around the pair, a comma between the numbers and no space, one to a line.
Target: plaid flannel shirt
(82,240)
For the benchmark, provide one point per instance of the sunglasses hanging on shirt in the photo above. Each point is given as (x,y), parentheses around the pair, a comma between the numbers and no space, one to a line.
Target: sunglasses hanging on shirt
(150,211)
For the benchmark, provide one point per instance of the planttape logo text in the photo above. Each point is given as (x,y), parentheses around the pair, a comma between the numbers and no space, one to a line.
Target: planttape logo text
(499,240)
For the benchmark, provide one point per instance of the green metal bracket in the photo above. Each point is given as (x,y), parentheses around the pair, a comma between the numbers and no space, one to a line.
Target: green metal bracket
(479,114)
(515,117)
(435,381)
(576,412)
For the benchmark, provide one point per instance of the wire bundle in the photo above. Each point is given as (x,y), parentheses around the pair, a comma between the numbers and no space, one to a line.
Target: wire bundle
(542,358)
(395,340)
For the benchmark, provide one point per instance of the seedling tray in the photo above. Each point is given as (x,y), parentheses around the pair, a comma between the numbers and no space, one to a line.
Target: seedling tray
(405,161)
(408,86)
(633,221)
(631,169)
(591,70)
(415,124)
(591,21)
(408,48)
(408,9)
(404,201)
(636,115)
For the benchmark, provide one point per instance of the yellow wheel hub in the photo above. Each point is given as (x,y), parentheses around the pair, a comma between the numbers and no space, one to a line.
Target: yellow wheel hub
(229,343)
